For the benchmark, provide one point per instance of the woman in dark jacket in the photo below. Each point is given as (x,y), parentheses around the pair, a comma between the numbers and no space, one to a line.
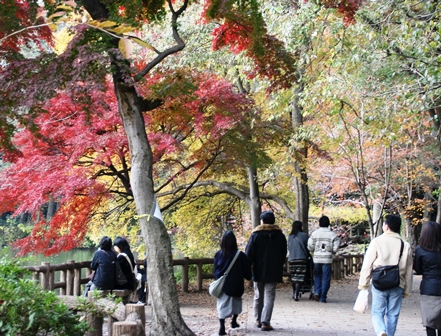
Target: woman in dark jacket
(103,263)
(230,302)
(298,256)
(126,261)
(428,263)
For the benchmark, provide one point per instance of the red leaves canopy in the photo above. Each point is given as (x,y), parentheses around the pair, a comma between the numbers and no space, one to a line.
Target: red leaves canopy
(78,158)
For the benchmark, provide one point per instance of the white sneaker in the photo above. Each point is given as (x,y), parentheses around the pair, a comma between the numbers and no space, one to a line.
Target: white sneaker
(383,333)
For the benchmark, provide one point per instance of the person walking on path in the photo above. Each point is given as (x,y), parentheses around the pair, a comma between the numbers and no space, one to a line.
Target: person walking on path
(428,264)
(298,256)
(382,251)
(229,304)
(324,244)
(266,251)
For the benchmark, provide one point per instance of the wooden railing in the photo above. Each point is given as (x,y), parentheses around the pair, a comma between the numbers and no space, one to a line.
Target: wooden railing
(74,274)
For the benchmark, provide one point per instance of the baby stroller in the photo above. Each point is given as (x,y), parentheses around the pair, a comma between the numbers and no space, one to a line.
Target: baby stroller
(307,285)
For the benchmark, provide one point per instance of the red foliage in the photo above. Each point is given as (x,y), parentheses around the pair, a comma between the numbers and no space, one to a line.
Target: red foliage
(62,161)
(347,8)
(242,31)
(72,148)
(63,232)
(233,34)
(16,15)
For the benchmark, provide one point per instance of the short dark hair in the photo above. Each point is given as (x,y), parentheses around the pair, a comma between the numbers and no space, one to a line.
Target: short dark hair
(296,228)
(324,221)
(394,223)
(105,243)
(228,244)
(268,217)
(430,239)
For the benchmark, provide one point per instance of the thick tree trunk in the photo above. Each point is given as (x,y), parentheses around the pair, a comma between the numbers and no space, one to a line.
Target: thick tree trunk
(166,317)
(254,202)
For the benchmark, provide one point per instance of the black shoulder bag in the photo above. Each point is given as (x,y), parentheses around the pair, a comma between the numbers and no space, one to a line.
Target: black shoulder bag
(387,277)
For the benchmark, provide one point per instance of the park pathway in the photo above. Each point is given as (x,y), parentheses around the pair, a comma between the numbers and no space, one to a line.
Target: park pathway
(307,318)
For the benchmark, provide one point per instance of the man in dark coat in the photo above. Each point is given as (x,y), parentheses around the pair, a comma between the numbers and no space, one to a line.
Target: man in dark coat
(266,251)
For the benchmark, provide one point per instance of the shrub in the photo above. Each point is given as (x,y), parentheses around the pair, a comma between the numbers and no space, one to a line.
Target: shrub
(26,309)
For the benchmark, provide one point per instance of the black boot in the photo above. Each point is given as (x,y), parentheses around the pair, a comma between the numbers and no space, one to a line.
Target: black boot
(297,292)
(222,327)
(234,323)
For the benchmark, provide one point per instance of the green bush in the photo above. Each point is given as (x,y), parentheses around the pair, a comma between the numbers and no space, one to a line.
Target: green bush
(26,309)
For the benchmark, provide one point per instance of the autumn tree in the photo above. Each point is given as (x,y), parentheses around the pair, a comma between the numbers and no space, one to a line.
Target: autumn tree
(97,51)
(370,97)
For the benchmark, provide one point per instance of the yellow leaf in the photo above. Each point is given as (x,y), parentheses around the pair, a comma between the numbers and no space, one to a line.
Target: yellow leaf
(53,27)
(106,24)
(141,42)
(55,15)
(122,47)
(64,7)
(121,29)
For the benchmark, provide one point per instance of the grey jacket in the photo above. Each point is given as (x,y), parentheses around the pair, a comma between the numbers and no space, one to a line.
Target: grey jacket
(297,246)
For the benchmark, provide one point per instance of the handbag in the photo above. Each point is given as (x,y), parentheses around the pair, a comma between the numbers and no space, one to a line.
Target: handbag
(387,277)
(361,303)
(216,288)
(121,279)
(136,283)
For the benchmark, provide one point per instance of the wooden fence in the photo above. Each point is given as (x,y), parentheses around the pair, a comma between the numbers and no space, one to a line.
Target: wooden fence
(74,274)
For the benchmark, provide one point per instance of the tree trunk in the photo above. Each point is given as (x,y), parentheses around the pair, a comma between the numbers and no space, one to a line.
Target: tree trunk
(301,211)
(166,315)
(50,208)
(254,202)
(300,182)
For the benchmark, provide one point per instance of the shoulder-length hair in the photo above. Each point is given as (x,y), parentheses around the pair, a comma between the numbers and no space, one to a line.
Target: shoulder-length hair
(430,239)
(228,244)
(122,243)
(296,228)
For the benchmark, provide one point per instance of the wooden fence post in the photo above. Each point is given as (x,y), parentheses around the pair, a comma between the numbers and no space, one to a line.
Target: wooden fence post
(124,328)
(63,279)
(199,275)
(45,281)
(77,282)
(185,279)
(70,274)
(96,323)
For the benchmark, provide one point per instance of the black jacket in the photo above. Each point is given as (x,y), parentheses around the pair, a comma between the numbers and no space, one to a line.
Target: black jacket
(127,270)
(234,284)
(103,263)
(429,265)
(266,251)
